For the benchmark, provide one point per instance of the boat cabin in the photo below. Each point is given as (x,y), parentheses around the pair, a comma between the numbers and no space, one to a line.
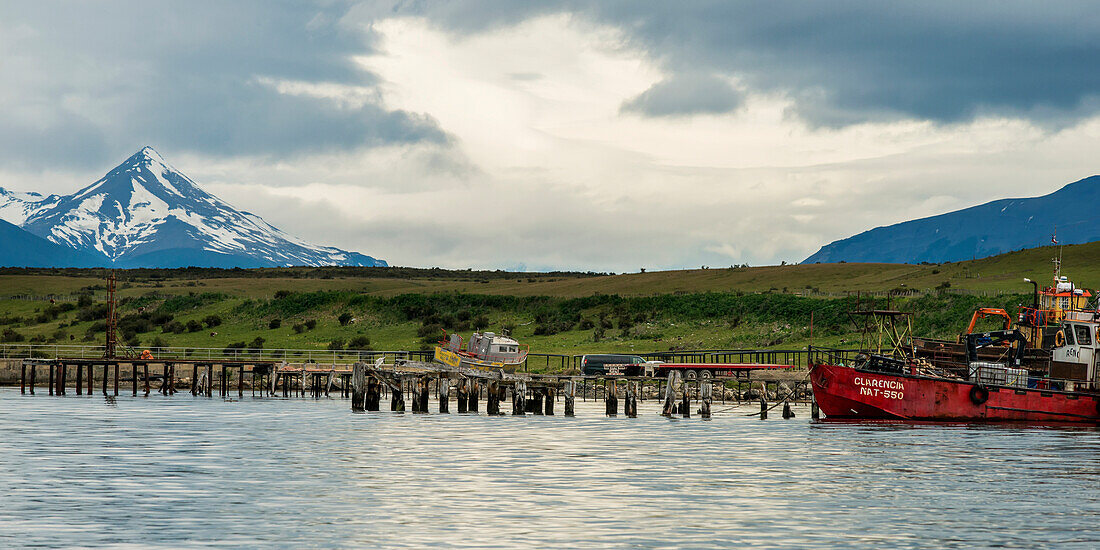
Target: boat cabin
(493,347)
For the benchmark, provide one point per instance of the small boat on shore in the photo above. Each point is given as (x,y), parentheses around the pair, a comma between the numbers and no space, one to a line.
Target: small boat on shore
(484,351)
(1043,370)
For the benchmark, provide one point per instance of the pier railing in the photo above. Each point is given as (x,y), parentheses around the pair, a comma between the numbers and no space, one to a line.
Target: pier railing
(52,351)
(555,362)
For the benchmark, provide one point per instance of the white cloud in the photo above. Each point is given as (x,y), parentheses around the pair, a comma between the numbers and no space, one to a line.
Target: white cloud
(543,167)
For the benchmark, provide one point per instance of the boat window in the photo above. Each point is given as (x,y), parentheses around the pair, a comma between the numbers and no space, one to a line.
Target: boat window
(1065,302)
(1069,336)
(1084,335)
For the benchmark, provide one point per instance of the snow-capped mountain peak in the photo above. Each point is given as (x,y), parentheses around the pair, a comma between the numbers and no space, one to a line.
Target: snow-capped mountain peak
(16,207)
(146,212)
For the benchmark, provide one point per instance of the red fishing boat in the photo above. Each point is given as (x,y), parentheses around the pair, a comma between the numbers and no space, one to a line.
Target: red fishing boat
(856,391)
(1047,369)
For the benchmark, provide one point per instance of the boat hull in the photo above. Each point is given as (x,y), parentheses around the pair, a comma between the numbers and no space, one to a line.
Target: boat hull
(462,360)
(846,392)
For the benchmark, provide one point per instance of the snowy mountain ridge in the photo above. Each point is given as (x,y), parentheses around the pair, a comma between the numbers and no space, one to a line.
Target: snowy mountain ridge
(146,213)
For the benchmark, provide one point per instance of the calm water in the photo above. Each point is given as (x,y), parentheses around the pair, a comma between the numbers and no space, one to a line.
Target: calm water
(187,472)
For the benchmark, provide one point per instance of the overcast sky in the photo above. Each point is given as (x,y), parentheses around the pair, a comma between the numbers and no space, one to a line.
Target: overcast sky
(602,136)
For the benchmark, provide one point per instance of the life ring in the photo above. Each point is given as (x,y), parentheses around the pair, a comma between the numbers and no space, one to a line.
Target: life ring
(979,395)
(1059,339)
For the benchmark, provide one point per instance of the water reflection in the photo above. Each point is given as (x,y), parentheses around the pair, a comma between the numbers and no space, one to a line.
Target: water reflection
(184,471)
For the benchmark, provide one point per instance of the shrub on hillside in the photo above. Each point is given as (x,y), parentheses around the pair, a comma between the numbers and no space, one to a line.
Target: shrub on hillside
(233,348)
(344,319)
(191,300)
(194,325)
(359,342)
(299,328)
(434,331)
(311,324)
(336,345)
(211,321)
(10,335)
(274,324)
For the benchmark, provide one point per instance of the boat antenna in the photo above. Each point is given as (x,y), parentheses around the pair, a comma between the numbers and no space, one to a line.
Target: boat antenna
(1058,261)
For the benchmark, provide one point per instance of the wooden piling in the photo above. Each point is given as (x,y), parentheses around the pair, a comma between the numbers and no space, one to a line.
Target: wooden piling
(145,376)
(374,394)
(444,387)
(519,398)
(116,379)
(22,379)
(549,401)
(787,412)
(419,389)
(570,397)
(706,393)
(194,379)
(64,376)
(669,406)
(472,396)
(492,399)
(358,387)
(460,394)
(611,398)
(34,376)
(534,401)
(630,401)
(685,403)
(815,411)
(397,399)
(51,381)
(763,408)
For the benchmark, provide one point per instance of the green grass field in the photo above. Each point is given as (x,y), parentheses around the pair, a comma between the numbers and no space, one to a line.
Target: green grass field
(570,313)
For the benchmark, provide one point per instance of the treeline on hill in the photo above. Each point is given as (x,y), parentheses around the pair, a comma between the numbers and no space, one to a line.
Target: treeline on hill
(935,315)
(141,274)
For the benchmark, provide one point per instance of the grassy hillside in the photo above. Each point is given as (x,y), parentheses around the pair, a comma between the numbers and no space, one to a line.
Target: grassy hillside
(554,312)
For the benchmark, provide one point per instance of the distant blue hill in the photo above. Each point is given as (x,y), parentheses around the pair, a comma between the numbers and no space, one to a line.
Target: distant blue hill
(19,248)
(977,232)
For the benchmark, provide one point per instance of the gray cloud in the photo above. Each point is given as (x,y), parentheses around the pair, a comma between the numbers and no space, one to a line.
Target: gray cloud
(686,95)
(87,83)
(853,61)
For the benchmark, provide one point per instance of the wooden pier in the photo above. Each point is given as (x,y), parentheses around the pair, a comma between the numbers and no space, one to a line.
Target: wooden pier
(412,385)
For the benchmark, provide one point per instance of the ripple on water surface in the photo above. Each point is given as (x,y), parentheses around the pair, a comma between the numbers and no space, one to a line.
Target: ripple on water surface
(184,471)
